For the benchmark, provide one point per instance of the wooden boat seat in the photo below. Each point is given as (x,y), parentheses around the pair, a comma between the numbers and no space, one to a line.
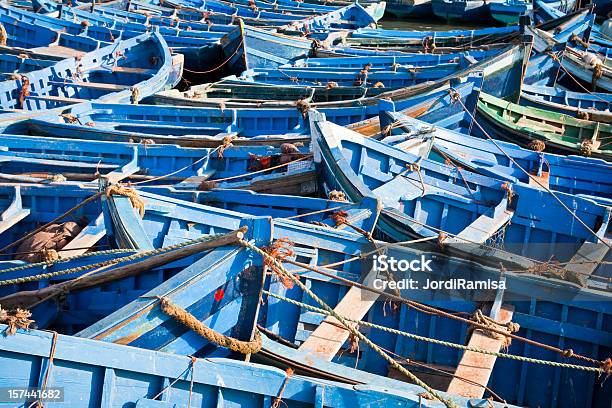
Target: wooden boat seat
(588,257)
(93,85)
(14,213)
(478,367)
(534,125)
(327,339)
(195,181)
(59,99)
(58,50)
(485,226)
(88,237)
(131,70)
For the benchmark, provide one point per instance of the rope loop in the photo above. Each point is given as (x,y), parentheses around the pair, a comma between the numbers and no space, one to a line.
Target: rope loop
(276,252)
(187,319)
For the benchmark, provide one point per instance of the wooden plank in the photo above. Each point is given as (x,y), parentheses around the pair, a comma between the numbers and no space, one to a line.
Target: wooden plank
(131,70)
(93,85)
(587,259)
(328,338)
(478,367)
(87,238)
(59,51)
(56,99)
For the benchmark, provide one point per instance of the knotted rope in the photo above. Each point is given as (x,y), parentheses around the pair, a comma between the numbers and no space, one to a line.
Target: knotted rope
(336,195)
(130,193)
(25,90)
(3,35)
(17,319)
(537,145)
(586,147)
(482,319)
(508,187)
(187,319)
(276,252)
(135,97)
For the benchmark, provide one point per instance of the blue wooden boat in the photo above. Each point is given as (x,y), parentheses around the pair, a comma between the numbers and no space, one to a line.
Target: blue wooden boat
(432,193)
(46,159)
(409,8)
(532,313)
(543,11)
(451,37)
(310,210)
(234,93)
(296,323)
(201,127)
(400,77)
(583,65)
(388,61)
(83,307)
(461,10)
(126,71)
(240,94)
(28,36)
(200,49)
(133,376)
(595,106)
(569,174)
(510,11)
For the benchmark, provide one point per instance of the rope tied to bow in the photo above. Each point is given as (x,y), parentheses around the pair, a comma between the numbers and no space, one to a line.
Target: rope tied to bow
(597,73)
(17,319)
(586,147)
(339,217)
(583,115)
(3,35)
(130,193)
(70,118)
(337,195)
(277,252)
(190,321)
(482,319)
(25,90)
(579,40)
(226,143)
(508,187)
(134,98)
(537,145)
(303,106)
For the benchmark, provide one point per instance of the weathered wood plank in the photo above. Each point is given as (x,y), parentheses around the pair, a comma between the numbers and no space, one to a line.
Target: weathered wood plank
(477,366)
(328,338)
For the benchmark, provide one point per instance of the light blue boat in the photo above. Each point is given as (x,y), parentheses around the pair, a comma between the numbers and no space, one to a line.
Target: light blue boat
(464,210)
(569,174)
(409,8)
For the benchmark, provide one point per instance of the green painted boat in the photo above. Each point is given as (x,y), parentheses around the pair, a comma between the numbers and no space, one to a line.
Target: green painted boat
(560,133)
